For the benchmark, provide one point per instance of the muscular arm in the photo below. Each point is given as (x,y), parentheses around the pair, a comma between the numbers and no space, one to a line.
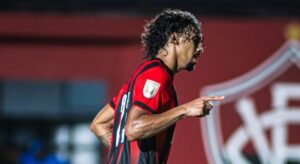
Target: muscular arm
(141,124)
(102,124)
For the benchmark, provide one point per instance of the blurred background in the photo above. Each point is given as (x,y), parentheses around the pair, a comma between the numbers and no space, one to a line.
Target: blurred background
(61,61)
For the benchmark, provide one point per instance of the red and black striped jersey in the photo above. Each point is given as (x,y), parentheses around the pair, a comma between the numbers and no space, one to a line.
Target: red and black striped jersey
(150,88)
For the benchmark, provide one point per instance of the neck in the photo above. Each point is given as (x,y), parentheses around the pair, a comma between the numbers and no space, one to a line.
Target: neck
(169,62)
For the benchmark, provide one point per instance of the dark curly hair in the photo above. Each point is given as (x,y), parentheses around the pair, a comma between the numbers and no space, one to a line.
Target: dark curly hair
(158,31)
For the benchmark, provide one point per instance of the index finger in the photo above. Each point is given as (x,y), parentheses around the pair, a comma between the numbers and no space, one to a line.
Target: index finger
(212,98)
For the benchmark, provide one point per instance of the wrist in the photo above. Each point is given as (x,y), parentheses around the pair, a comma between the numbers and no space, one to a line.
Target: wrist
(183,111)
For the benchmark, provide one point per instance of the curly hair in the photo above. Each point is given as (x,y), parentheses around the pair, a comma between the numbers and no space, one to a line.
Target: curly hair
(158,31)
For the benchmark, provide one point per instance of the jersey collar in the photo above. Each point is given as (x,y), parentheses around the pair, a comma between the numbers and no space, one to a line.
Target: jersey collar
(165,66)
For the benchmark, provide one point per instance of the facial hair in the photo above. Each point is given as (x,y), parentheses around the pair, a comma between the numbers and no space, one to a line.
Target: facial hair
(190,67)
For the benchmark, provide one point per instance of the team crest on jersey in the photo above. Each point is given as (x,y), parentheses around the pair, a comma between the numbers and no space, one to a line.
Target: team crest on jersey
(150,88)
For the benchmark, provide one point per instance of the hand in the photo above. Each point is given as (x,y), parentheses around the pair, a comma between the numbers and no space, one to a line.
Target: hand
(106,139)
(200,107)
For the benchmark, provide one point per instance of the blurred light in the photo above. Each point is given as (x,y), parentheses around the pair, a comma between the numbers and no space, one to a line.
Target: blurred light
(85,145)
(62,136)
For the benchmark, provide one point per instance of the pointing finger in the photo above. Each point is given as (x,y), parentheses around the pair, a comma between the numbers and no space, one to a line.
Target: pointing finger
(212,98)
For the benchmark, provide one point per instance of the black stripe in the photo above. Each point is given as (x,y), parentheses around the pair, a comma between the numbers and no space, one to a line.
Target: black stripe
(144,106)
(114,151)
(167,146)
(115,156)
(125,156)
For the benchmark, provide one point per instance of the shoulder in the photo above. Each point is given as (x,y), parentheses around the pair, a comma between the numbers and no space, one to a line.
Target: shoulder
(158,74)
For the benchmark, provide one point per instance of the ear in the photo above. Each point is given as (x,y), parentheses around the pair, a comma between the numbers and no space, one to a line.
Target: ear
(174,38)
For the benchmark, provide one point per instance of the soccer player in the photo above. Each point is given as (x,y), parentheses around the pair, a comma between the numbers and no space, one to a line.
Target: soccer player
(138,123)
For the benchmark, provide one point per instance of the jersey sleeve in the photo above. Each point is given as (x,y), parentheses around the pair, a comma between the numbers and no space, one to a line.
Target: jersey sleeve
(150,90)
(113,102)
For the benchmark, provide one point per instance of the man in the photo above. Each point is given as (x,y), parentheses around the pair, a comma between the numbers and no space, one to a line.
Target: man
(138,124)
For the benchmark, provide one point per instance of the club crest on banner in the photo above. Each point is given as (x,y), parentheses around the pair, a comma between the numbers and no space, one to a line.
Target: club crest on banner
(259,120)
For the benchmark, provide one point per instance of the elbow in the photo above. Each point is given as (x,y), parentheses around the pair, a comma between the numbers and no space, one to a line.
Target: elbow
(93,128)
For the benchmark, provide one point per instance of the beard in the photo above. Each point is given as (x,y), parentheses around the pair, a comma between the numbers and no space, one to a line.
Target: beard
(190,67)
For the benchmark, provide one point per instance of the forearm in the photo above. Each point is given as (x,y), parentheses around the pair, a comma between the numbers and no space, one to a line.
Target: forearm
(102,129)
(104,134)
(148,125)
(102,125)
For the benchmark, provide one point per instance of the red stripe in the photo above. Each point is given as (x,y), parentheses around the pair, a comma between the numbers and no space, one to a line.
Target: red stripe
(134,152)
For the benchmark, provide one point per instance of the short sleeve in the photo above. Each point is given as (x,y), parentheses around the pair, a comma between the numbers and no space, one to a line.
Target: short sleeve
(113,102)
(150,89)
